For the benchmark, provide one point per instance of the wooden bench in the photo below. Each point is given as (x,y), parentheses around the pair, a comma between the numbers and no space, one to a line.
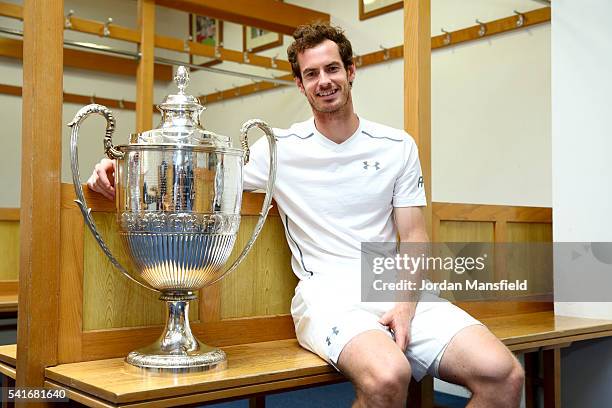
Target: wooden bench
(250,306)
(267,367)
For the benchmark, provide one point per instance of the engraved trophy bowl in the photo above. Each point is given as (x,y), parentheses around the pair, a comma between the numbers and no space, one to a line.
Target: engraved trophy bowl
(178,198)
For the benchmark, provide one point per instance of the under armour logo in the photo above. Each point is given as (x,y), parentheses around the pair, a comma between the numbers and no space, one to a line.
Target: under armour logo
(366,165)
(420,182)
(335,332)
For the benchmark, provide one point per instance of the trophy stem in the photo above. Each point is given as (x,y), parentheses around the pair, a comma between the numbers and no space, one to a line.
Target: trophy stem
(177,349)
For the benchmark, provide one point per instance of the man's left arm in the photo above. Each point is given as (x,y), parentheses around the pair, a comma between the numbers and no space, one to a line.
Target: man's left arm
(411,226)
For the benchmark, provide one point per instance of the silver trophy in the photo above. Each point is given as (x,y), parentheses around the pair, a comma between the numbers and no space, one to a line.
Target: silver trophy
(178,196)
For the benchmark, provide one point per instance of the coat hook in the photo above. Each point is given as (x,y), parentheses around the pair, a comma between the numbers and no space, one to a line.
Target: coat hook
(106,31)
(447,36)
(245,57)
(386,52)
(357,60)
(483,28)
(68,19)
(121,104)
(236,90)
(255,85)
(520,18)
(273,63)
(186,46)
(92,99)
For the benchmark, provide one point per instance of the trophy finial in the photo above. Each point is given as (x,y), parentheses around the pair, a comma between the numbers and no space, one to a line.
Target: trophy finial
(181,79)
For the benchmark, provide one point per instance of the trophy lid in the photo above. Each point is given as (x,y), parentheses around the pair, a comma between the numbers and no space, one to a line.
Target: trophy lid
(180,120)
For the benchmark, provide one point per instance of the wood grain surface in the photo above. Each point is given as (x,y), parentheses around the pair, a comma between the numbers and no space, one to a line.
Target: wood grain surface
(9,250)
(248,364)
(41,157)
(270,362)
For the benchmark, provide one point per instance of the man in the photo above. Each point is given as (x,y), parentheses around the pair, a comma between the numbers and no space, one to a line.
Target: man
(343,180)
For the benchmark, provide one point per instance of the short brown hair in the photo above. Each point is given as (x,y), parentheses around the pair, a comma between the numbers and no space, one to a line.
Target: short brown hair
(311,35)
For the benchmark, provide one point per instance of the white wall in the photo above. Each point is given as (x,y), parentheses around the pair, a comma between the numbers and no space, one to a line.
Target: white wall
(581,132)
(582,192)
(490,100)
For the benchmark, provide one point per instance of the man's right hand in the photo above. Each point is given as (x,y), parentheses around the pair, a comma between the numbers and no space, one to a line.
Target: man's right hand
(103,179)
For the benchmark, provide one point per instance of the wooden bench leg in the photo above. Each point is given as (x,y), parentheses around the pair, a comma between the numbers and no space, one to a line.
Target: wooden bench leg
(532,379)
(552,378)
(258,401)
(7,382)
(421,394)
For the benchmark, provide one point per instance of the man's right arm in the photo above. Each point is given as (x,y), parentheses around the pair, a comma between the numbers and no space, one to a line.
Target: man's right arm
(103,179)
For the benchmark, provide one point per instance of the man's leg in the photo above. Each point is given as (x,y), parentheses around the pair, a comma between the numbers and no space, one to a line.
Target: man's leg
(377,368)
(477,359)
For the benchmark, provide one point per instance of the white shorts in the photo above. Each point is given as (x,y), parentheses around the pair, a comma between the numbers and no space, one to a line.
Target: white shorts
(327,314)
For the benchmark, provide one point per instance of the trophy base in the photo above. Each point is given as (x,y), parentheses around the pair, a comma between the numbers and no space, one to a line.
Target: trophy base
(153,358)
(177,349)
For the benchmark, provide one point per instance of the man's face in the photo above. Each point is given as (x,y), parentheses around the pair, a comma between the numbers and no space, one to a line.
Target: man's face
(325,81)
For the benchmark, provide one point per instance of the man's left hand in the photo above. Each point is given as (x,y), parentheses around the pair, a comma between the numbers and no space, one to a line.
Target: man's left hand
(398,319)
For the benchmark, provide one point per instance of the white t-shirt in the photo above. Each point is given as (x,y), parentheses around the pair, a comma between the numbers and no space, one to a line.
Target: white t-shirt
(332,197)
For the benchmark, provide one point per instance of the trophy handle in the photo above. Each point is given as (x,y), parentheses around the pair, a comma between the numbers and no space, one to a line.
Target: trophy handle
(112,153)
(248,125)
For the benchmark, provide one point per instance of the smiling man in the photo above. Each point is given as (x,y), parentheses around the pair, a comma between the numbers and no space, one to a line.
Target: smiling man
(343,180)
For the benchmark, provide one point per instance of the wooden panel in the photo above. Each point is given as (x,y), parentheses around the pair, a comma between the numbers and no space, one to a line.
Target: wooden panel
(40,190)
(9,250)
(118,342)
(144,75)
(489,309)
(417,87)
(8,287)
(460,231)
(110,300)
(466,231)
(532,255)
(264,283)
(267,14)
(71,278)
(529,232)
(88,60)
(480,212)
(251,202)
(10,214)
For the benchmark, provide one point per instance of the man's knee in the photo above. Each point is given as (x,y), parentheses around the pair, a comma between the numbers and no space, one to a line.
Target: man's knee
(502,372)
(387,381)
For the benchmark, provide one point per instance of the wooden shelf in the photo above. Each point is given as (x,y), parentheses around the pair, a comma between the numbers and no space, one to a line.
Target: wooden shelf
(169,43)
(91,61)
